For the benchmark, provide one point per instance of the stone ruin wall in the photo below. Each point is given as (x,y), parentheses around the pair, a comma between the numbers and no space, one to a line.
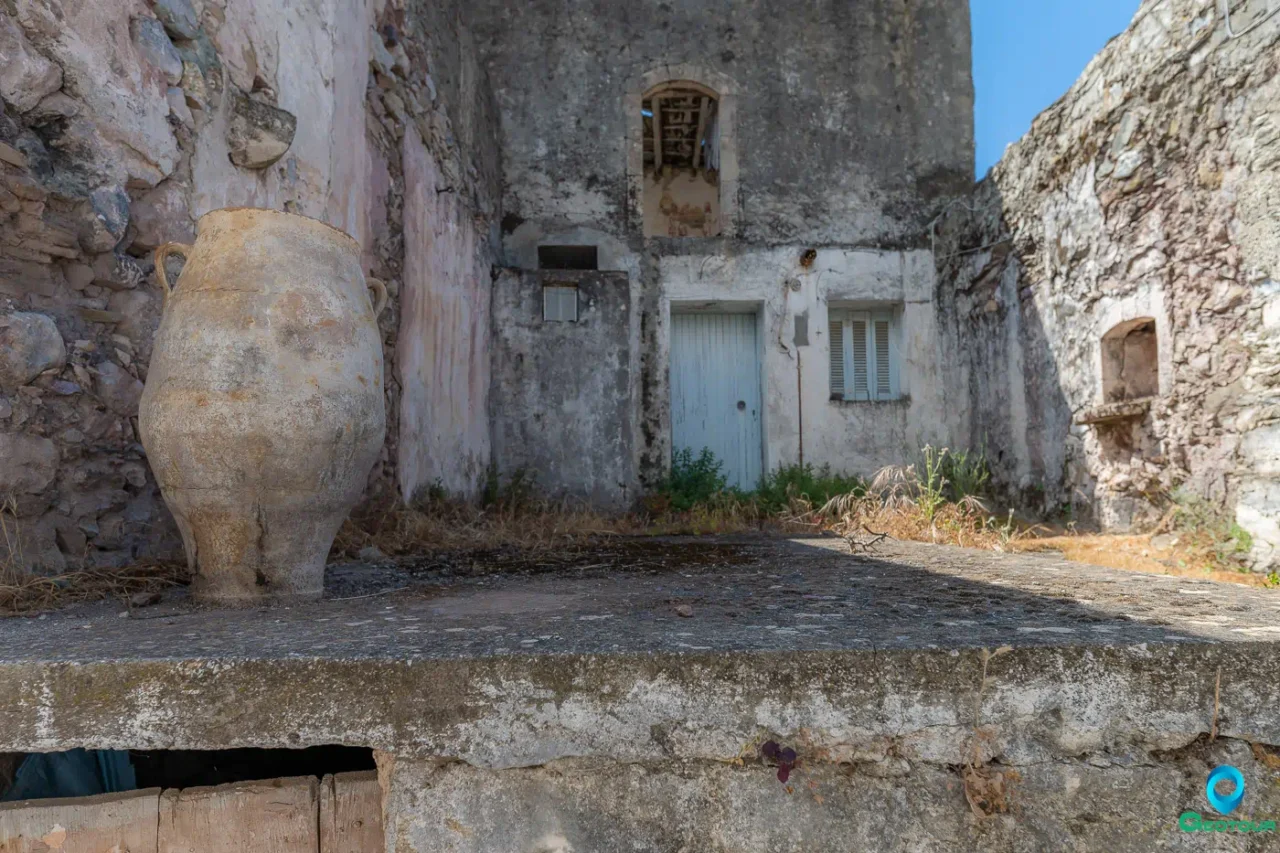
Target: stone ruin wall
(122,123)
(1150,189)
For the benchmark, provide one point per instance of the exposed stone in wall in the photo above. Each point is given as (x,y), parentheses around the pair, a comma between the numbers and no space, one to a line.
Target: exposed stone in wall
(121,123)
(1140,194)
(444,127)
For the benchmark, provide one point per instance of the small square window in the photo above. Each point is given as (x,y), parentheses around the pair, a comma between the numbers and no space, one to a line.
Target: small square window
(864,355)
(560,303)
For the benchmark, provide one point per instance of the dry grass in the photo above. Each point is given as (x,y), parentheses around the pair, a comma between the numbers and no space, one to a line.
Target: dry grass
(899,506)
(27,593)
(439,525)
(538,526)
(896,505)
(1136,553)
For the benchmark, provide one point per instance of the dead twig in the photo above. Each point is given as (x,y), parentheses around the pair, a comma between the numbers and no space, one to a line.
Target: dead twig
(987,789)
(371,594)
(29,592)
(861,545)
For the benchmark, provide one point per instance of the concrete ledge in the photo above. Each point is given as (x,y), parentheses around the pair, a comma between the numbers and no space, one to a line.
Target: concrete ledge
(848,658)
(945,699)
(511,712)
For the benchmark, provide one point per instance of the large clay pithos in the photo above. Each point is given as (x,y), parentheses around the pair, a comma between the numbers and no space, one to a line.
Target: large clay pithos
(263,413)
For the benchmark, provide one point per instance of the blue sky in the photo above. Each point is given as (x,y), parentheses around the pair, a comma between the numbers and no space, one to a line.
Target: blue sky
(1026,54)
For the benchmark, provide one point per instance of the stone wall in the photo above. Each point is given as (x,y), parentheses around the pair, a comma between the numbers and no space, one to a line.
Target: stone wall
(1148,191)
(122,123)
(452,195)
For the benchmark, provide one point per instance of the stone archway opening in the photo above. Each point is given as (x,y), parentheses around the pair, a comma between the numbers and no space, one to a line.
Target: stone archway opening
(682,160)
(1130,361)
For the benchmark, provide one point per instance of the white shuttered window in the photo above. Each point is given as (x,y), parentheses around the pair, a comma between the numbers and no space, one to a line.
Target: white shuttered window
(864,355)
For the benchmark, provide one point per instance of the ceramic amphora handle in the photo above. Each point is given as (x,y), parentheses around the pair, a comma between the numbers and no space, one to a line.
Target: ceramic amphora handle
(380,295)
(162,255)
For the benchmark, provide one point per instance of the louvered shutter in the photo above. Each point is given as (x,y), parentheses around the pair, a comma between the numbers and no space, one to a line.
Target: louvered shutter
(858,357)
(836,331)
(883,382)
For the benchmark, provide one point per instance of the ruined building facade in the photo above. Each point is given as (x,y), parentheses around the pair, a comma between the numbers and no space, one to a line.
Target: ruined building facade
(752,228)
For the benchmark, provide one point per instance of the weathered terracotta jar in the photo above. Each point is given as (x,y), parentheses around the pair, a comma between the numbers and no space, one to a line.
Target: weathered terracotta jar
(263,410)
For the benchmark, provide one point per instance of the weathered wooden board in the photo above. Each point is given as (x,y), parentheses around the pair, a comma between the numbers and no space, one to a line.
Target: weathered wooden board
(277,816)
(107,823)
(351,813)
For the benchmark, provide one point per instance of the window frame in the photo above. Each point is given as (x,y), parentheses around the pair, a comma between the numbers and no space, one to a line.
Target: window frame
(871,392)
(559,301)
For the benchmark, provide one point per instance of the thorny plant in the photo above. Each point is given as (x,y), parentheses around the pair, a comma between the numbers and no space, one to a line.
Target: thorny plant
(931,488)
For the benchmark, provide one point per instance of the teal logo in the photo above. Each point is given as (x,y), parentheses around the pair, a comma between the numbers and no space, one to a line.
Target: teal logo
(1223,804)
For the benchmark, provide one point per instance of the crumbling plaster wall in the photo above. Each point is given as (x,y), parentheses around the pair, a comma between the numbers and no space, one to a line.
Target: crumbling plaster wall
(561,410)
(1149,190)
(846,127)
(121,124)
(880,89)
(855,437)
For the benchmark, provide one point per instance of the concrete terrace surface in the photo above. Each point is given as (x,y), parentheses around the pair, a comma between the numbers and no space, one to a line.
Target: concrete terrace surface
(781,635)
(615,697)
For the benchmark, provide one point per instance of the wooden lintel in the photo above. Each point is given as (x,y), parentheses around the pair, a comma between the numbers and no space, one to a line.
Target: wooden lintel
(702,128)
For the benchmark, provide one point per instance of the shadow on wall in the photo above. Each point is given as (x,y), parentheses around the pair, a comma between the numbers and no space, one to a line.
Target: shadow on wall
(1029,351)
(1017,408)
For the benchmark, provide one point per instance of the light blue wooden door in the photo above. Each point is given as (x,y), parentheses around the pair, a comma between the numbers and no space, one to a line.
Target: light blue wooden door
(715,391)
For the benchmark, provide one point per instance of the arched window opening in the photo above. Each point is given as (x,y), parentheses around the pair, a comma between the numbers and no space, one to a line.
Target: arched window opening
(681,161)
(1130,361)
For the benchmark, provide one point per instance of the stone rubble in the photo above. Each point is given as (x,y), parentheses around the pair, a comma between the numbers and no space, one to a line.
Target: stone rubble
(29,345)
(258,134)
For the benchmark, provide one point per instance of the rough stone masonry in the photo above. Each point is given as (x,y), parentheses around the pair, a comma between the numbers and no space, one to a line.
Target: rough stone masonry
(1149,190)
(120,124)
(453,139)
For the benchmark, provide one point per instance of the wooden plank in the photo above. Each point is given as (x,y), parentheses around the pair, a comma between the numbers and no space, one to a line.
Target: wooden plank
(276,816)
(100,824)
(351,813)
